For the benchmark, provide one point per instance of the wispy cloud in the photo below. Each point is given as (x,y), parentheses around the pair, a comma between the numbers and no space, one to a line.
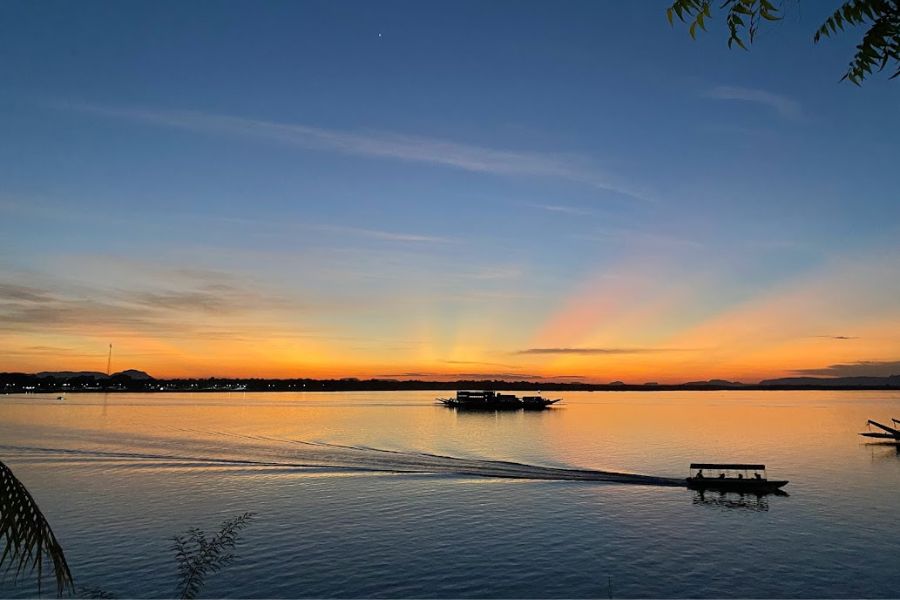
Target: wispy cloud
(478,362)
(562,209)
(837,337)
(436,375)
(389,236)
(784,106)
(380,144)
(597,350)
(289,227)
(493,273)
(199,310)
(863,368)
(649,238)
(50,352)
(474,376)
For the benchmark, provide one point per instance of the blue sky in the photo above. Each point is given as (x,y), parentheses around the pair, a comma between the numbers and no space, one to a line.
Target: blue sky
(418,185)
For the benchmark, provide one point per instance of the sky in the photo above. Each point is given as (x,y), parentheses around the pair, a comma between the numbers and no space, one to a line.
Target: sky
(528,190)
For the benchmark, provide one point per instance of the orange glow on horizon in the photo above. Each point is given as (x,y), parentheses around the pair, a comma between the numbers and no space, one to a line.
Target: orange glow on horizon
(635,324)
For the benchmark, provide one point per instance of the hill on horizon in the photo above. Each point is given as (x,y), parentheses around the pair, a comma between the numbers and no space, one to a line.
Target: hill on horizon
(130,373)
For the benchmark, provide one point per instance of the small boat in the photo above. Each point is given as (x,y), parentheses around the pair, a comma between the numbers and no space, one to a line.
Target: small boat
(491,400)
(886,433)
(732,477)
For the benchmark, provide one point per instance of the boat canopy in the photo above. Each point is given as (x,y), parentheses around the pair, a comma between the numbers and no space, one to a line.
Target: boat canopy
(728,466)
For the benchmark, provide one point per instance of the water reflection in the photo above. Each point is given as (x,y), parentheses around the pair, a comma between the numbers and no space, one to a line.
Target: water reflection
(884,450)
(475,414)
(734,501)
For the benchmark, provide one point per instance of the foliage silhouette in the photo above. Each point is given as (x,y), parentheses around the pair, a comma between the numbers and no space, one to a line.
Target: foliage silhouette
(28,540)
(198,556)
(880,45)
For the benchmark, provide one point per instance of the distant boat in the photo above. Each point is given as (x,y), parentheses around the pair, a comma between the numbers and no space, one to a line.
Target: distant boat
(60,397)
(490,400)
(732,477)
(886,433)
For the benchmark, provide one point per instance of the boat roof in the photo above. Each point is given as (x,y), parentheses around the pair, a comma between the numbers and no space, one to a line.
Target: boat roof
(740,466)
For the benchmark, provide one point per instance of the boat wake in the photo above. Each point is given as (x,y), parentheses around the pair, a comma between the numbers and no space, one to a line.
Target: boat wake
(225,448)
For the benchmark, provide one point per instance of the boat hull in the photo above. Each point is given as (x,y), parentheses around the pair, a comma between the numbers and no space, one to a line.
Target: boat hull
(493,406)
(753,486)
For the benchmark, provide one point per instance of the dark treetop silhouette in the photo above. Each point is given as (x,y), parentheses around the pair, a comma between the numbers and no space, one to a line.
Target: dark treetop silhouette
(880,45)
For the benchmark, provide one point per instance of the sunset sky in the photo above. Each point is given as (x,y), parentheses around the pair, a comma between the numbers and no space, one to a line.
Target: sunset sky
(442,189)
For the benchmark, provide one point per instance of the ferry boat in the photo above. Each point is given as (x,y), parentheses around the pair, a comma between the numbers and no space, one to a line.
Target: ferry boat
(491,400)
(732,477)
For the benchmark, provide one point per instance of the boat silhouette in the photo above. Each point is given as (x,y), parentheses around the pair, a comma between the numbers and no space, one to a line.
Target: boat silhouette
(491,400)
(733,477)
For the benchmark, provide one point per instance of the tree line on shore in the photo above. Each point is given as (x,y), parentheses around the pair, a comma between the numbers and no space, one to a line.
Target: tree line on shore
(137,381)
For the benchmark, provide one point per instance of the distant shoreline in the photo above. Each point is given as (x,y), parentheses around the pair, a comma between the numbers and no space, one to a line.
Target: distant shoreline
(18,383)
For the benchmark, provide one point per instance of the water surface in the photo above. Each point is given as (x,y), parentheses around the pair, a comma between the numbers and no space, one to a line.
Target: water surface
(386,494)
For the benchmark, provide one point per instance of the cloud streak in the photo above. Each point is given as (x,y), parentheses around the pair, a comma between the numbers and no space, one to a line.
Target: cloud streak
(784,106)
(206,310)
(388,236)
(601,351)
(562,209)
(474,376)
(862,368)
(648,238)
(378,144)
(478,362)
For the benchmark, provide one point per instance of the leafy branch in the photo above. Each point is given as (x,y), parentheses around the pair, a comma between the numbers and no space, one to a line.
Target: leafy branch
(28,541)
(742,16)
(880,45)
(198,556)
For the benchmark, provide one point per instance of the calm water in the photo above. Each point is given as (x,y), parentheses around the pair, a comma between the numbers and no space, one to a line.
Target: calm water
(388,495)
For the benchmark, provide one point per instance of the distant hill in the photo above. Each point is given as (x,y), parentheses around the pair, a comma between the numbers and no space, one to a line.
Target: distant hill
(71,374)
(129,373)
(716,383)
(133,374)
(892,380)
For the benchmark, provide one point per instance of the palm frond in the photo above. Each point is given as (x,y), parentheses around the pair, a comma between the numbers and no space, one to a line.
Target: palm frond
(198,555)
(28,540)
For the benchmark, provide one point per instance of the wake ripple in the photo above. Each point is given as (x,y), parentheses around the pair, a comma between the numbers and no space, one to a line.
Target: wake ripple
(265,451)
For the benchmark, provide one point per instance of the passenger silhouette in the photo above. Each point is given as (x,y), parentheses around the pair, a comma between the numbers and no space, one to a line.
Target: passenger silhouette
(700,474)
